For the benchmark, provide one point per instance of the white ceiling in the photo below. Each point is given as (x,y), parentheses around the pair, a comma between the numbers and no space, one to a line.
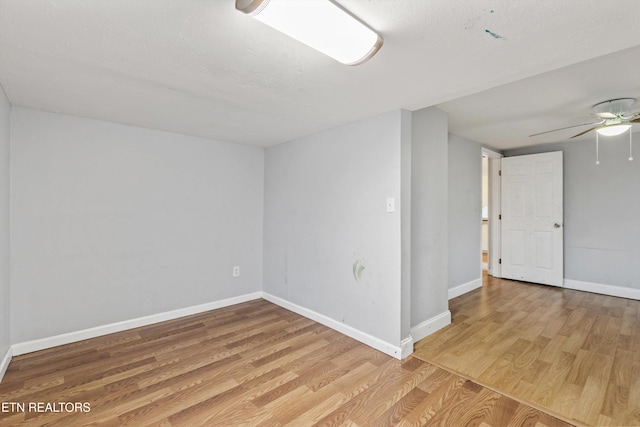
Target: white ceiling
(199,67)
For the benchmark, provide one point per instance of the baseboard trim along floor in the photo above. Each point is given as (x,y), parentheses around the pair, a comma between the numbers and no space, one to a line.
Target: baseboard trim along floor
(399,352)
(56,340)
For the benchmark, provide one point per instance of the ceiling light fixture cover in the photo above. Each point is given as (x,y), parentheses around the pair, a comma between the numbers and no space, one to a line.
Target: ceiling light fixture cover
(319,24)
(613,130)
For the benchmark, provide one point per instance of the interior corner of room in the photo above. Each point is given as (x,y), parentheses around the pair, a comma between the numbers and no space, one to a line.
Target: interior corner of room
(158,239)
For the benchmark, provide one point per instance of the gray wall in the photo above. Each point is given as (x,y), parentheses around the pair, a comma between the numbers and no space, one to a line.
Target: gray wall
(113,222)
(325,210)
(601,210)
(429,219)
(5,109)
(405,218)
(465,210)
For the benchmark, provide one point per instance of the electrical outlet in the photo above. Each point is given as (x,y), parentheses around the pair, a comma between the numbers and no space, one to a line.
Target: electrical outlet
(236,271)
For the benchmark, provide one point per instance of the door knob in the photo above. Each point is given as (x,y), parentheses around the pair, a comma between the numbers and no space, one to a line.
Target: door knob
(556,225)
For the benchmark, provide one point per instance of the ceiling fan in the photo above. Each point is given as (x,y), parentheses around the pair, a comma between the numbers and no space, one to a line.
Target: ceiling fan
(615,118)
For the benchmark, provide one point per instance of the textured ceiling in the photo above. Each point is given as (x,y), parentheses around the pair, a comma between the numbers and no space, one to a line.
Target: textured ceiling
(200,68)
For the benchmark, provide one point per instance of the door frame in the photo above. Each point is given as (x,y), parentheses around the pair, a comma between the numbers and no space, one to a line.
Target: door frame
(495,243)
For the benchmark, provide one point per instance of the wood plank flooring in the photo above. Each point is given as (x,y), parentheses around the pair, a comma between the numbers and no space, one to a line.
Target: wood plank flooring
(573,354)
(252,364)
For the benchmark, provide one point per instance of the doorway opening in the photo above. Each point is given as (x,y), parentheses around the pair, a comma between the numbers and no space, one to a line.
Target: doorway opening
(485,214)
(491,239)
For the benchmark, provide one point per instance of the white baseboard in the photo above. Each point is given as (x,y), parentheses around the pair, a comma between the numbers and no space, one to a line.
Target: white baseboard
(399,352)
(598,288)
(465,287)
(44,343)
(4,364)
(430,326)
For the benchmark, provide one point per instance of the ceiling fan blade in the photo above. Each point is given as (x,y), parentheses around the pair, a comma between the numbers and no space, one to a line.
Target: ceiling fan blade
(568,127)
(635,120)
(586,131)
(606,115)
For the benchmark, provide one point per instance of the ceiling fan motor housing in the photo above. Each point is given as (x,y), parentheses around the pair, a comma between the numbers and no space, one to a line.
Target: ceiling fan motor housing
(614,108)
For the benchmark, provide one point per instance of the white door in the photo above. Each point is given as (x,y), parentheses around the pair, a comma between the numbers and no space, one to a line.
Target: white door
(532,248)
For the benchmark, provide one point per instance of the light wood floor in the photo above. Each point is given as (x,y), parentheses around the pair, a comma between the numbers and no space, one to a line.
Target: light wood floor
(252,364)
(573,354)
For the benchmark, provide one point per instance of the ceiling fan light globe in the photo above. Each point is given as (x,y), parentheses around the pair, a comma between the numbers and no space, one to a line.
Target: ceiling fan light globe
(613,130)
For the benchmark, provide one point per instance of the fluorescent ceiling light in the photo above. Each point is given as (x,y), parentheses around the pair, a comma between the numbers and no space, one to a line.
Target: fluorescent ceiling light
(319,24)
(613,130)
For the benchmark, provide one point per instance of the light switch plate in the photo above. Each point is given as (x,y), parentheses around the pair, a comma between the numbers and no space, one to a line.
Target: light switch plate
(391,204)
